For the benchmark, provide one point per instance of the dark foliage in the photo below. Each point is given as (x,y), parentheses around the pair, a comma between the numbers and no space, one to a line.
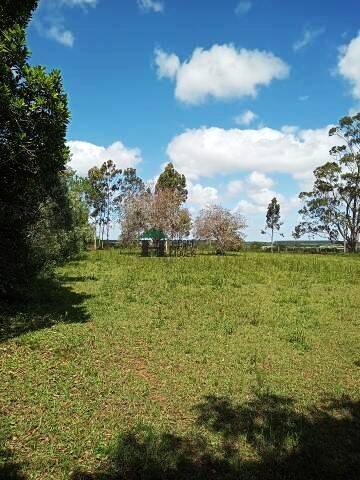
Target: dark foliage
(332,208)
(171,179)
(33,155)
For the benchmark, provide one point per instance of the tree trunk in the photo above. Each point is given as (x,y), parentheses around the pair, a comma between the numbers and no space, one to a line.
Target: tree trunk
(95,237)
(272,240)
(351,246)
(102,235)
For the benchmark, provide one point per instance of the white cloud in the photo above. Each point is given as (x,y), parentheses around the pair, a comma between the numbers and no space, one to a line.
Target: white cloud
(50,22)
(260,180)
(222,72)
(308,36)
(206,152)
(259,191)
(354,110)
(85,155)
(201,196)
(243,7)
(79,3)
(151,5)
(246,118)
(167,64)
(349,64)
(65,37)
(257,188)
(235,187)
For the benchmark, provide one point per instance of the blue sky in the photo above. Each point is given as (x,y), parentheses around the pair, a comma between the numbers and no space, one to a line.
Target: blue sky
(238,94)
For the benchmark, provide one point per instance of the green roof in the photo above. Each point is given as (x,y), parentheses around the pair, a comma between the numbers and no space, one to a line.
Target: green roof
(153,234)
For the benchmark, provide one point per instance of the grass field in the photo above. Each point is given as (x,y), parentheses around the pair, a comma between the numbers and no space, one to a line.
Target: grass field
(243,366)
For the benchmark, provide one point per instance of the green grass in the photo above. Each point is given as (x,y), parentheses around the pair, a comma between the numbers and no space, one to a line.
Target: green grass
(243,366)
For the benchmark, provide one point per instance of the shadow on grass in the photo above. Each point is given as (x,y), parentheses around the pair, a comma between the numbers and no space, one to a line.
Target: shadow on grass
(9,469)
(76,279)
(49,303)
(265,438)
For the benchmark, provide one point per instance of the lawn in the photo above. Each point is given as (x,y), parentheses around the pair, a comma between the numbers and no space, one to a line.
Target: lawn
(243,366)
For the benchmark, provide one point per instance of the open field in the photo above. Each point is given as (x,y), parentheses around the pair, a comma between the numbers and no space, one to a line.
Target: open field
(243,366)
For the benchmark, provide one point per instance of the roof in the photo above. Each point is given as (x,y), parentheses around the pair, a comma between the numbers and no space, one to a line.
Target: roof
(153,234)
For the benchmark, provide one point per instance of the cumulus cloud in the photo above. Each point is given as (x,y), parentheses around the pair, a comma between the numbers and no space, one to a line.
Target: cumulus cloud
(50,22)
(245,118)
(260,180)
(308,36)
(58,33)
(258,189)
(151,5)
(85,155)
(201,196)
(349,64)
(167,64)
(243,7)
(235,187)
(222,72)
(210,151)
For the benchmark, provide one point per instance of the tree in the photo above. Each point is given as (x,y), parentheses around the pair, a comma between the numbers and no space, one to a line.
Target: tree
(219,224)
(94,196)
(135,216)
(168,215)
(33,152)
(103,196)
(111,184)
(150,210)
(170,179)
(296,234)
(127,204)
(272,219)
(131,184)
(62,230)
(332,207)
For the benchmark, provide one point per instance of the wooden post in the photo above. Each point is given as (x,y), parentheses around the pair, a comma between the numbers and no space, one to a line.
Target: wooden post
(145,248)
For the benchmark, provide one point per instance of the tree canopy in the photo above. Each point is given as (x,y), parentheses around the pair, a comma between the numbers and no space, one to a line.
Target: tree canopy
(272,219)
(220,224)
(33,153)
(171,179)
(332,207)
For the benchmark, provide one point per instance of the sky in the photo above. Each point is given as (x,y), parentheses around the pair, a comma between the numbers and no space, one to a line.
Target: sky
(239,95)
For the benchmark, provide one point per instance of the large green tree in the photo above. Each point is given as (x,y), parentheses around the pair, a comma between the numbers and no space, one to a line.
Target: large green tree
(62,229)
(33,152)
(332,207)
(171,179)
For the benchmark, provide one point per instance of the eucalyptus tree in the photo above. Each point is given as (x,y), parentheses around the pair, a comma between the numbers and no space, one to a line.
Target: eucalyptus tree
(272,219)
(104,185)
(332,207)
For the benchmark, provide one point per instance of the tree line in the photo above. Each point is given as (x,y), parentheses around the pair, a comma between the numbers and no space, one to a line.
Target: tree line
(120,196)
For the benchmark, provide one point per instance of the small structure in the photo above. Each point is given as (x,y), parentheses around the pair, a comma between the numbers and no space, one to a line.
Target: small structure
(182,248)
(153,240)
